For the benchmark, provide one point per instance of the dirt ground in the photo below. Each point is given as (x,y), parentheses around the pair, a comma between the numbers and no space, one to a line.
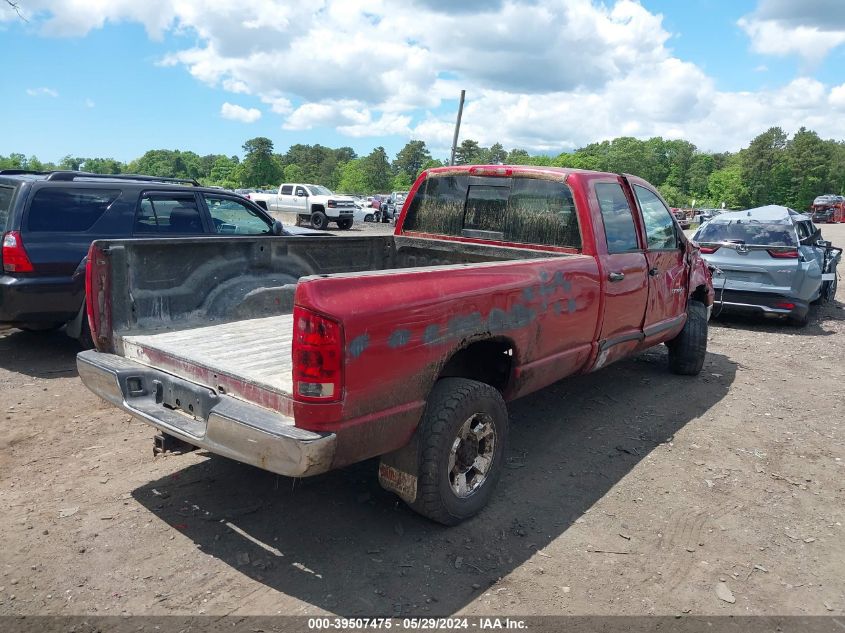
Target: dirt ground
(628,491)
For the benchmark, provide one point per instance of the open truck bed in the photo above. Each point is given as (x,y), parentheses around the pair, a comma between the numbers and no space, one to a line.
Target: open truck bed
(255,351)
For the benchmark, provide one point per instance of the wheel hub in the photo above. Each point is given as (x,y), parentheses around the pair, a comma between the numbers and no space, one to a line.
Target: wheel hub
(472,454)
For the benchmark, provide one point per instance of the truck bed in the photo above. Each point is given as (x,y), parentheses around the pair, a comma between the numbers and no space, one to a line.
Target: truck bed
(253,351)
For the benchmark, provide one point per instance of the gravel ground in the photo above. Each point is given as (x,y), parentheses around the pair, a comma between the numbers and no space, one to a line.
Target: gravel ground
(628,491)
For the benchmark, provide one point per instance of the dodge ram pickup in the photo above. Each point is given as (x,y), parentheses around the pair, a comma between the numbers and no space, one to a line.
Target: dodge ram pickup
(300,355)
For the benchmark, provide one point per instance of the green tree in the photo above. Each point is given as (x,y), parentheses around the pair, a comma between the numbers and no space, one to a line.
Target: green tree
(353,177)
(726,186)
(401,182)
(808,158)
(497,155)
(468,152)
(518,157)
(765,172)
(259,167)
(377,170)
(102,166)
(224,172)
(411,158)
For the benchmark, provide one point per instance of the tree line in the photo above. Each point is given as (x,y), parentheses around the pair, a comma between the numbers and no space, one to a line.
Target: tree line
(773,169)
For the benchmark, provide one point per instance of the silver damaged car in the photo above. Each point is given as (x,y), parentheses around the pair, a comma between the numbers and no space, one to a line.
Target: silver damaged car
(770,260)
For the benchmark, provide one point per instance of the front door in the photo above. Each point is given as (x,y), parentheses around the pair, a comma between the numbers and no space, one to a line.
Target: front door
(667,270)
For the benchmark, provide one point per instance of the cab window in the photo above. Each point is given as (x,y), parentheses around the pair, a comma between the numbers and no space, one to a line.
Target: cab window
(620,232)
(658,221)
(235,218)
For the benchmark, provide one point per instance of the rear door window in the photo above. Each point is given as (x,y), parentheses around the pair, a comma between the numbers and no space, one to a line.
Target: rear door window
(168,214)
(520,210)
(620,232)
(287,190)
(55,209)
(6,194)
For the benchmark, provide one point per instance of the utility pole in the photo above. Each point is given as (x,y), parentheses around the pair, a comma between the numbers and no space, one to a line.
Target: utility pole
(457,127)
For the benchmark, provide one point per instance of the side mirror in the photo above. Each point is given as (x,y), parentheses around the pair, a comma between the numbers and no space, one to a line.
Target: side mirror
(277,228)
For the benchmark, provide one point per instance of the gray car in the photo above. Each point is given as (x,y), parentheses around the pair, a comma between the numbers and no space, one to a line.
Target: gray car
(769,260)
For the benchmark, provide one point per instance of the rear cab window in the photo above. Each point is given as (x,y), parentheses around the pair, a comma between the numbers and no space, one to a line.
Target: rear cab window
(521,210)
(66,210)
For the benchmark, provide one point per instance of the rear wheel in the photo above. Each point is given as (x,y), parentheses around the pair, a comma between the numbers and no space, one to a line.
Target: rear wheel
(319,220)
(462,440)
(688,350)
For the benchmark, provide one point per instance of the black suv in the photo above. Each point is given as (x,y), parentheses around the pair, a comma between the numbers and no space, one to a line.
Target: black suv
(49,219)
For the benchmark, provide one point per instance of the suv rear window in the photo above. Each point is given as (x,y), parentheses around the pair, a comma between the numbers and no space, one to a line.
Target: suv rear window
(68,210)
(5,202)
(522,210)
(753,233)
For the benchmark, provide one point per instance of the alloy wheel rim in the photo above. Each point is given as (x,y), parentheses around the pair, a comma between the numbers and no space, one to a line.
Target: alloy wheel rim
(471,455)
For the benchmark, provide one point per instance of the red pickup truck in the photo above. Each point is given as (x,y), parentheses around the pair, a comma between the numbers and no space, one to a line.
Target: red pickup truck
(303,355)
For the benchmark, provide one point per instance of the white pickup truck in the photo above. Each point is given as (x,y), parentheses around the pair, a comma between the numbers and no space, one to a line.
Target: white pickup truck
(313,204)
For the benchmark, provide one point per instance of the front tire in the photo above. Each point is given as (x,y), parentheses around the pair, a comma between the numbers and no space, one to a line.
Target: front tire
(688,349)
(462,440)
(319,220)
(344,224)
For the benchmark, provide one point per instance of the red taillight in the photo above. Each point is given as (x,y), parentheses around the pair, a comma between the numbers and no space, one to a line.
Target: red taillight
(783,253)
(97,297)
(709,250)
(786,305)
(490,170)
(15,259)
(317,357)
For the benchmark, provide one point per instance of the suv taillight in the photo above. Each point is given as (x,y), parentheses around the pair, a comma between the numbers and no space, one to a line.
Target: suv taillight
(783,253)
(317,357)
(708,250)
(15,259)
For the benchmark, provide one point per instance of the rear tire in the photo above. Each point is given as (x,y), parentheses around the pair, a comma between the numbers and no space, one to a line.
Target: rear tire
(319,220)
(688,350)
(462,441)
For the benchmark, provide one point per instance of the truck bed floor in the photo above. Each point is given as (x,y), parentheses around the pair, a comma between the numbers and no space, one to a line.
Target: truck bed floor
(256,351)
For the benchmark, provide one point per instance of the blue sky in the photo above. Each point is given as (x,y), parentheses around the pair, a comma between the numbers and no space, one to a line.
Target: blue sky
(546,75)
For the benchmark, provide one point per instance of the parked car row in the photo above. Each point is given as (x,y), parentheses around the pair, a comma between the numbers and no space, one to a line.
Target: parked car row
(49,219)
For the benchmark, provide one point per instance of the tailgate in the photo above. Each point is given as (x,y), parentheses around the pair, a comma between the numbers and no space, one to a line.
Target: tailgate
(250,359)
(752,268)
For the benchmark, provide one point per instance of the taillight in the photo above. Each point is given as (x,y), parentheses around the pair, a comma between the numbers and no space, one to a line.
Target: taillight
(97,297)
(709,250)
(490,170)
(317,357)
(786,305)
(783,253)
(15,259)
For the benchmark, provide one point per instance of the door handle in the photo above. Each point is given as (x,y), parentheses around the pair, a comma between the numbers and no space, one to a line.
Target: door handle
(653,272)
(615,276)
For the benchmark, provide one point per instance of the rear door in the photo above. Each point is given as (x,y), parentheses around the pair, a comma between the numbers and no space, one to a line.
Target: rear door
(667,270)
(623,263)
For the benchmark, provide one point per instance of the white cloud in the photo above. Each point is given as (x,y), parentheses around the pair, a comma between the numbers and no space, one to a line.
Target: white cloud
(42,92)
(539,74)
(239,113)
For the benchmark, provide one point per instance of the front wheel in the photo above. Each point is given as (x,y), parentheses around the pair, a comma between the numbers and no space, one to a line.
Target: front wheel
(344,224)
(462,441)
(688,349)
(368,217)
(319,220)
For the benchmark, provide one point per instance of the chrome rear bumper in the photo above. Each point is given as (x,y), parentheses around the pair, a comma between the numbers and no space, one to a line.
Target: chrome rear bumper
(200,416)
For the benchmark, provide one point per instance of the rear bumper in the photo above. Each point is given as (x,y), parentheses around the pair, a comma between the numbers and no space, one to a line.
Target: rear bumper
(198,415)
(33,299)
(763,303)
